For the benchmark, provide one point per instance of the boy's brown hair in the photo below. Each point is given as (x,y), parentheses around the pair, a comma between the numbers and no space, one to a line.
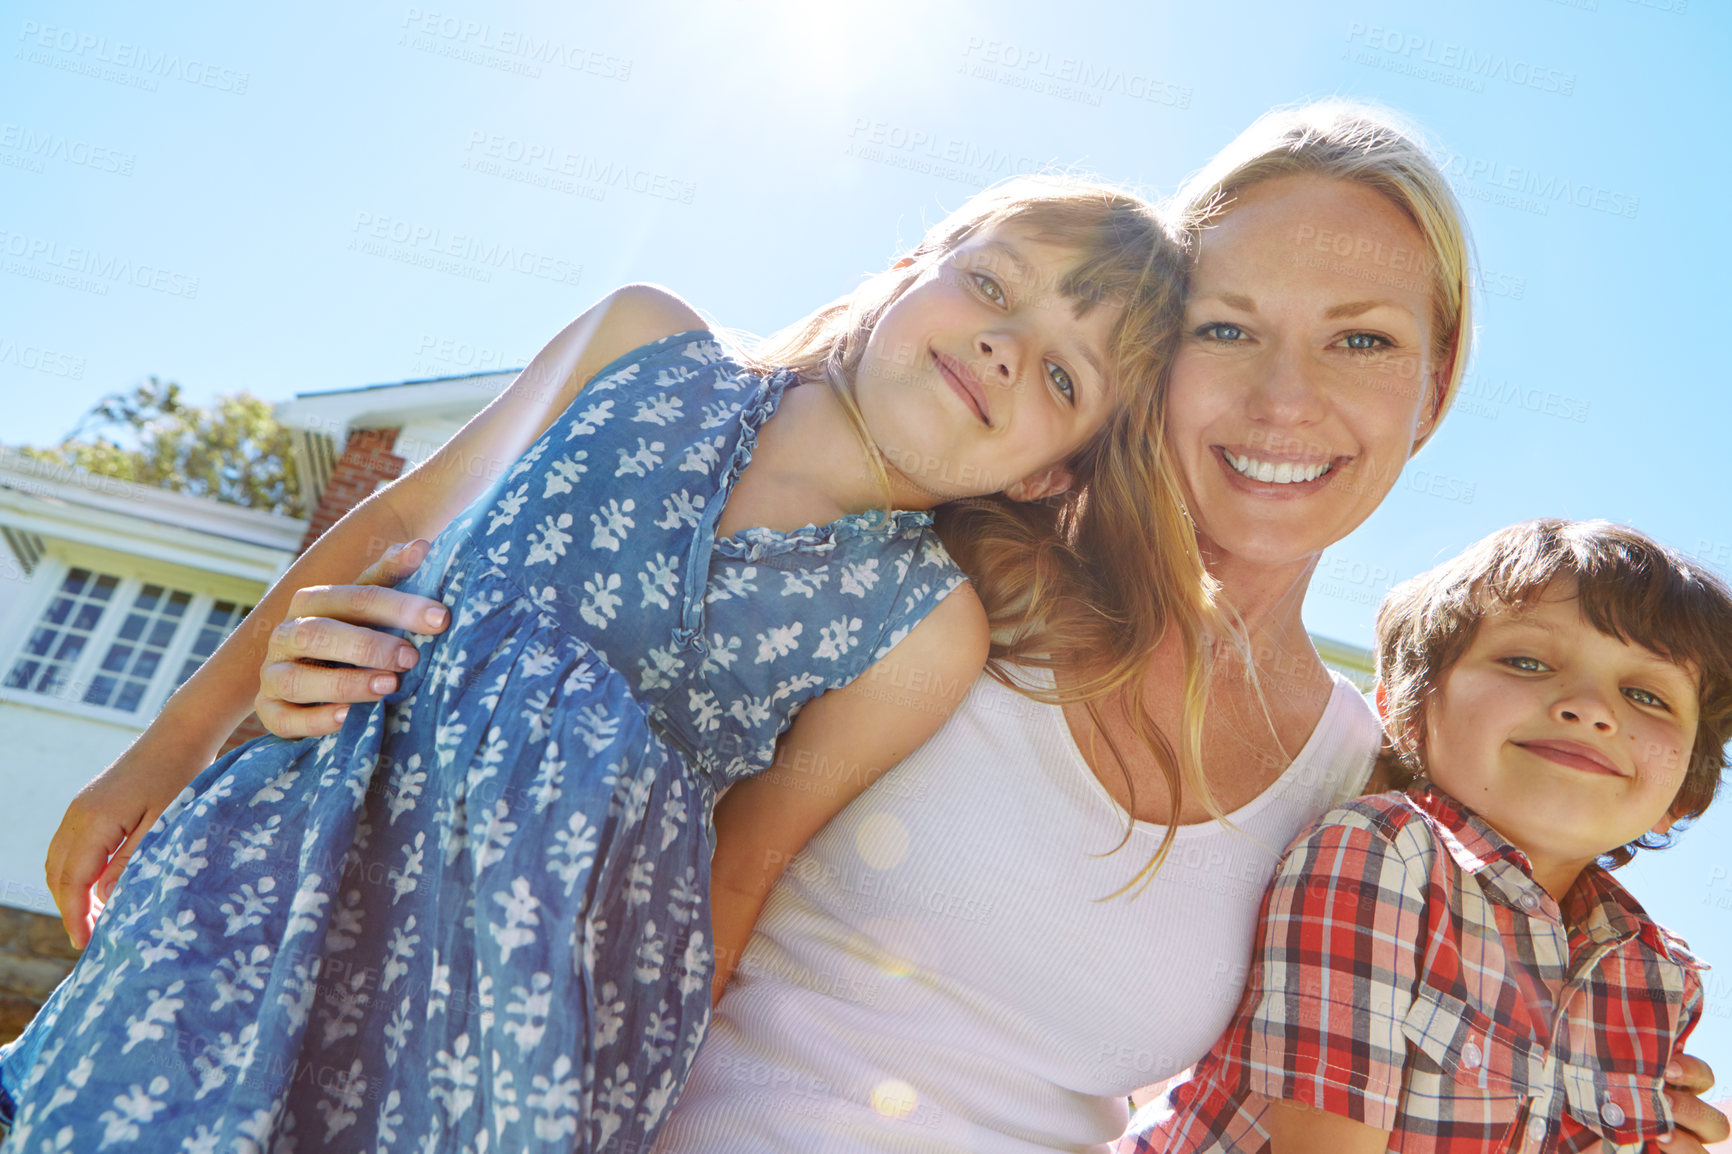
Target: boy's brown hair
(1629,586)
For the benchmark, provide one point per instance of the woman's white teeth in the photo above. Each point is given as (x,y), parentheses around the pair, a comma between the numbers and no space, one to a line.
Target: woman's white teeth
(1279,473)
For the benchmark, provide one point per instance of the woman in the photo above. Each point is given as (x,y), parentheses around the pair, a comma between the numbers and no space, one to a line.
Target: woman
(954,963)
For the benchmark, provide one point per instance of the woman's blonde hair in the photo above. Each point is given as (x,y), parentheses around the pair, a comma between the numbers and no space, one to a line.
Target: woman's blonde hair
(1369,146)
(1089,579)
(1097,585)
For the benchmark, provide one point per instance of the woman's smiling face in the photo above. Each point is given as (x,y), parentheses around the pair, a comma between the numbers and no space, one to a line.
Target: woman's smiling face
(1306,369)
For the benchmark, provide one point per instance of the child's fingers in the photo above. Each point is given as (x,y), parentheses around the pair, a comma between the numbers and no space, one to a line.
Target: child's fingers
(105,881)
(76,912)
(77,853)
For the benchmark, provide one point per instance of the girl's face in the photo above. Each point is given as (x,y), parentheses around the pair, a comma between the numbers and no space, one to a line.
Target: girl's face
(981,378)
(1305,370)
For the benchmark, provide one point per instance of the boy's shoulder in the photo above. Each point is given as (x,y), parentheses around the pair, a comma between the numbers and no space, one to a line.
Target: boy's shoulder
(1386,816)
(1389,825)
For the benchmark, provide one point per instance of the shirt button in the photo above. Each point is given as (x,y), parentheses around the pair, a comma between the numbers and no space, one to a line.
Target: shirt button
(1528,902)
(1471,1057)
(1537,1128)
(1612,1113)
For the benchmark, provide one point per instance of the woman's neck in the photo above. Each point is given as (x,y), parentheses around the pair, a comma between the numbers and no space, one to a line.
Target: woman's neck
(1267,600)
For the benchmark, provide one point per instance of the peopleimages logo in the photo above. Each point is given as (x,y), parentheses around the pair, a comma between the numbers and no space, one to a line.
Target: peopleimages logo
(40,146)
(482,42)
(1460,58)
(1545,188)
(88,269)
(461,254)
(86,51)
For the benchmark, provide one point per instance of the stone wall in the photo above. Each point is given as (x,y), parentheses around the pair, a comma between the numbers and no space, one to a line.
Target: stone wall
(34,957)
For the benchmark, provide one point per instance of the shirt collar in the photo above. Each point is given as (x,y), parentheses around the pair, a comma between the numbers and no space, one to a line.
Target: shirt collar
(1473,844)
(1597,905)
(1604,910)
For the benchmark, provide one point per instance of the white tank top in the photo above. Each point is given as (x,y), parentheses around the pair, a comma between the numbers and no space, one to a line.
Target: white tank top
(942,968)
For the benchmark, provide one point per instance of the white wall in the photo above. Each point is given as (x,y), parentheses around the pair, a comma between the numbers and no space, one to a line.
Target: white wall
(48,755)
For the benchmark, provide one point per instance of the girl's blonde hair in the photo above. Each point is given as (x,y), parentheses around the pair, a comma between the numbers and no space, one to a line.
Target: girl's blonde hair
(1087,580)
(1126,256)
(1369,146)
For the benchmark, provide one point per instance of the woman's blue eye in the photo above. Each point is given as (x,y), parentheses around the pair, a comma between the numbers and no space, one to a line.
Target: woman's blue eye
(1061,380)
(1366,342)
(1221,332)
(988,287)
(1643,697)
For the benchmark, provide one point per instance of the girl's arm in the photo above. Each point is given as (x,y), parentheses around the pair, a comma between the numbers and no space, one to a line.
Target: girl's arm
(104,821)
(872,723)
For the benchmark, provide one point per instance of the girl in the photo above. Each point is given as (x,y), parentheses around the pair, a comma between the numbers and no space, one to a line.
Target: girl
(475,917)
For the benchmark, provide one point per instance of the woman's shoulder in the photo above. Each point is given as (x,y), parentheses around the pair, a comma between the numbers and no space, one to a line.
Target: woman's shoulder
(1336,761)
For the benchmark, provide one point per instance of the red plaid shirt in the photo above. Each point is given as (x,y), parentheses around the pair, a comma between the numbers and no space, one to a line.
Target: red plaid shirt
(1410,974)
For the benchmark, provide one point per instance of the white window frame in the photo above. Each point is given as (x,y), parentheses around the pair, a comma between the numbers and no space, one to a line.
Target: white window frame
(51,574)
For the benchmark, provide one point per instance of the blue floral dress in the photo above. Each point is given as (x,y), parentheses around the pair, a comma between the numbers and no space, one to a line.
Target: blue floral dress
(476,918)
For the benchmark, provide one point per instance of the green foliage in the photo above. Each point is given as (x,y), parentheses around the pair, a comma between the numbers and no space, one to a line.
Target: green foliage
(233,451)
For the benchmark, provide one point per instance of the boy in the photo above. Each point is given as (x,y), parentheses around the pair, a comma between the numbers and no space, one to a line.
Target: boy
(1453,968)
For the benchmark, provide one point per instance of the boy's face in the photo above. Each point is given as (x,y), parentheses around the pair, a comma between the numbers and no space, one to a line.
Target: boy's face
(1567,741)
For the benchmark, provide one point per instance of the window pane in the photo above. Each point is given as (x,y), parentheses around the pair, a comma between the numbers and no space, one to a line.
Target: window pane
(71,645)
(64,630)
(130,696)
(224,616)
(132,660)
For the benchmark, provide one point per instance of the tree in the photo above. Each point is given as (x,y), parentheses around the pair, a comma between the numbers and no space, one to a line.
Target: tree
(233,451)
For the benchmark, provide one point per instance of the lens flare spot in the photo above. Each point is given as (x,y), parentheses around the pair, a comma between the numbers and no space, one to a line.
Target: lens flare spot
(894,1098)
(882,841)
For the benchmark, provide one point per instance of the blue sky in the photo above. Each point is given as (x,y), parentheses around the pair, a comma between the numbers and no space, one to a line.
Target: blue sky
(283,200)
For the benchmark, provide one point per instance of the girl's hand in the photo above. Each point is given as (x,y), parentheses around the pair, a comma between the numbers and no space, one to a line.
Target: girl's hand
(330,652)
(1698,1124)
(104,822)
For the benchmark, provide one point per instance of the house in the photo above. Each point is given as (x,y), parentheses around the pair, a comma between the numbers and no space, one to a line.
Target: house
(111,594)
